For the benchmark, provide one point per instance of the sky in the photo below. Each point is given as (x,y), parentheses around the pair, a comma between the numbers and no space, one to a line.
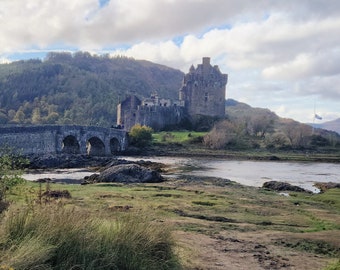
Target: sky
(283,55)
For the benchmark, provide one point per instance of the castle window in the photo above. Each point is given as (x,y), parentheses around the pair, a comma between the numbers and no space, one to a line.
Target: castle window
(206,97)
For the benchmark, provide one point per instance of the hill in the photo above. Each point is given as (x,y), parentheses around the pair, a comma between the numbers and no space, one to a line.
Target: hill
(330,125)
(78,88)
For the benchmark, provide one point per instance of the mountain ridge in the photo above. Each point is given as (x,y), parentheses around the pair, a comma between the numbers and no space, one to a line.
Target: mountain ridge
(333,125)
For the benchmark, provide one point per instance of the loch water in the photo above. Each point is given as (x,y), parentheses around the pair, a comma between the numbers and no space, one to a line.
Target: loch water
(255,173)
(251,173)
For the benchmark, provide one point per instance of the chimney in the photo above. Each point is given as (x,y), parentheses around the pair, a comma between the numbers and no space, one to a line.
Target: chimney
(206,61)
(206,66)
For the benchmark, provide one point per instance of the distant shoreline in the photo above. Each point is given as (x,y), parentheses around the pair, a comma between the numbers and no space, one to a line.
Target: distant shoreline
(256,155)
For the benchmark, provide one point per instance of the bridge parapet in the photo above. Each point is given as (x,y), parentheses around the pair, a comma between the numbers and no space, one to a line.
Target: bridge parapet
(53,139)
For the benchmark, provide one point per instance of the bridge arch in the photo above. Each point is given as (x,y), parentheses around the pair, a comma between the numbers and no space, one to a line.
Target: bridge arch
(95,147)
(114,145)
(70,145)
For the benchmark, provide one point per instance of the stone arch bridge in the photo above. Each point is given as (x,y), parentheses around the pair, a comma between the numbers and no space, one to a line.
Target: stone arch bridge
(51,139)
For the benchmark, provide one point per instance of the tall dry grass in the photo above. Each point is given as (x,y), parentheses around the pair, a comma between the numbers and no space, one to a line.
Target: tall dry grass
(52,237)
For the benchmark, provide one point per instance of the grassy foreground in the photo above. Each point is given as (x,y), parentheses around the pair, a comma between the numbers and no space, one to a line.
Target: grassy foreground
(188,223)
(56,237)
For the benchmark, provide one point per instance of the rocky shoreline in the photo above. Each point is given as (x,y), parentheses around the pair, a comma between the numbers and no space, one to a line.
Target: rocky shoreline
(112,169)
(66,161)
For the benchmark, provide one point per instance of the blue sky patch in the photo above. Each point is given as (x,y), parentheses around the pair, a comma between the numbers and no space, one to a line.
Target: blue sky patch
(103,3)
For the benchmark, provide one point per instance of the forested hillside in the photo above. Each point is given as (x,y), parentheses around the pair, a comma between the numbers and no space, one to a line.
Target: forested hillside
(78,88)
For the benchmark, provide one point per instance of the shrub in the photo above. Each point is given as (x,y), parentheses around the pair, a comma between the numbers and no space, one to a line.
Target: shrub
(53,237)
(224,133)
(140,135)
(276,140)
(10,172)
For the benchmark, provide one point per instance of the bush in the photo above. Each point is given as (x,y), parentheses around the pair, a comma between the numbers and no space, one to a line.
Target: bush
(56,238)
(276,140)
(10,172)
(140,135)
(318,140)
(224,133)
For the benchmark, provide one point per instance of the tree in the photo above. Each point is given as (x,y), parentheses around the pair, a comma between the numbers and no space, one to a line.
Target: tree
(277,140)
(19,116)
(52,118)
(11,114)
(10,171)
(224,133)
(36,116)
(261,123)
(299,135)
(140,135)
(3,118)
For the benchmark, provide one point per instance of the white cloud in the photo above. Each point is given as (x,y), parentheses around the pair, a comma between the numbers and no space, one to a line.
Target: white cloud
(4,60)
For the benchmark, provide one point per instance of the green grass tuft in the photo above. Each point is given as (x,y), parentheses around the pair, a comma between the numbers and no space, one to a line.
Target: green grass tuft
(333,266)
(53,237)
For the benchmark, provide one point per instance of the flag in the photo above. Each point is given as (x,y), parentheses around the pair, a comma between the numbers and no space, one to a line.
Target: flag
(316,116)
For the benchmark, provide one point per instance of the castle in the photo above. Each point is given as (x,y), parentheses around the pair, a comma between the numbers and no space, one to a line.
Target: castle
(202,93)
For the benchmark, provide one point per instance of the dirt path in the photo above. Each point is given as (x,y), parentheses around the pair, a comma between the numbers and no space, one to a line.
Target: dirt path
(251,250)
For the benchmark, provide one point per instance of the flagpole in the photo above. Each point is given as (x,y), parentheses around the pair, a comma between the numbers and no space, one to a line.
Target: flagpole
(313,119)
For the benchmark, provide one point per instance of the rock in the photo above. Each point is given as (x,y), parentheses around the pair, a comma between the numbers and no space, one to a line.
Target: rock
(3,206)
(324,186)
(65,161)
(43,180)
(282,186)
(57,194)
(129,173)
(93,178)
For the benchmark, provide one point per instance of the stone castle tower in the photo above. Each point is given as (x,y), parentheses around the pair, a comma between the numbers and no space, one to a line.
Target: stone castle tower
(203,90)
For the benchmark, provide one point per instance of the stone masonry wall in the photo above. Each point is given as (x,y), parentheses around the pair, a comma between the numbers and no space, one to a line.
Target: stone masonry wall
(159,117)
(27,140)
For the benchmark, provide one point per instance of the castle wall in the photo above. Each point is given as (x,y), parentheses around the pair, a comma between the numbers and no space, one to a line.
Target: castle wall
(156,117)
(159,117)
